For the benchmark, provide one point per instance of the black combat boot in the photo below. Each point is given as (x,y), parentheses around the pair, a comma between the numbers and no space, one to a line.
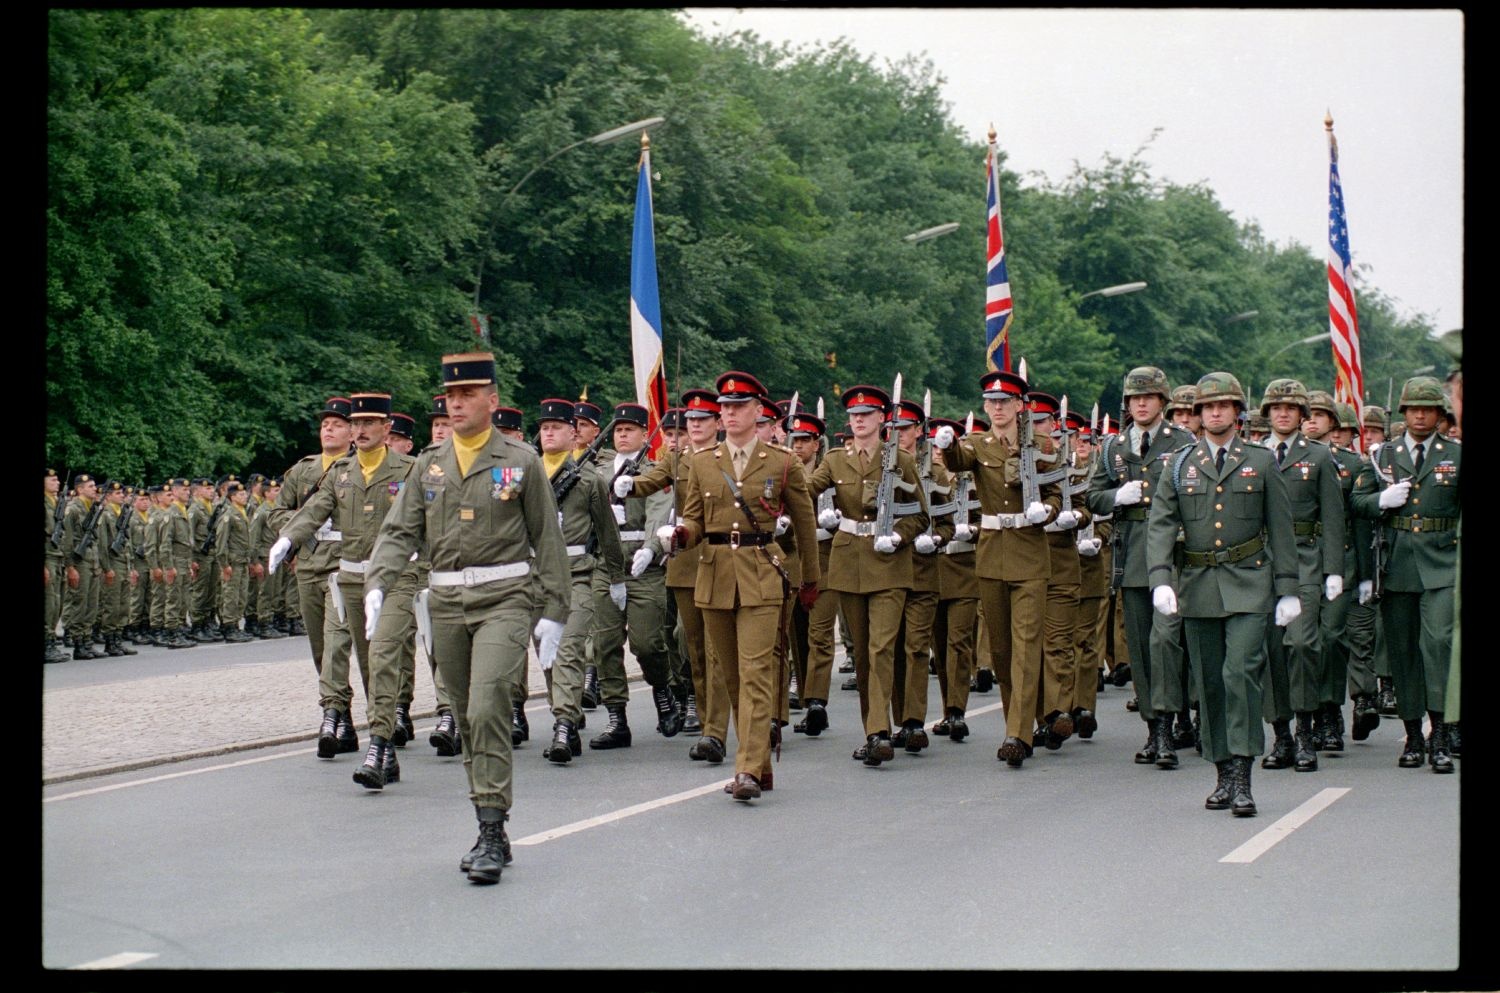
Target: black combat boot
(112,646)
(1366,717)
(399,735)
(328,734)
(491,852)
(179,638)
(1121,674)
(1283,750)
(1182,734)
(691,722)
(561,748)
(1437,745)
(1147,754)
(53,651)
(793,698)
(1085,722)
(296,629)
(1455,742)
(668,720)
(590,687)
(371,774)
(617,734)
(1166,753)
(1243,804)
(234,636)
(1223,792)
(520,727)
(1133,705)
(267,630)
(1414,753)
(392,767)
(202,634)
(82,650)
(1385,698)
(1333,728)
(444,737)
(348,739)
(1306,757)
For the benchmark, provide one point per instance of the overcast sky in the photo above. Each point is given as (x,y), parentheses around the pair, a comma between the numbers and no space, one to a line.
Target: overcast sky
(1240,97)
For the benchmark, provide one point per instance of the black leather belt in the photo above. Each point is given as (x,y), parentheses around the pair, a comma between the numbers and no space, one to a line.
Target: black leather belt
(1224,557)
(734,539)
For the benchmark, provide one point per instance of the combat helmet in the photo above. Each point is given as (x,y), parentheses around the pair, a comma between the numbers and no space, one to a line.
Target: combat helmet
(1285,391)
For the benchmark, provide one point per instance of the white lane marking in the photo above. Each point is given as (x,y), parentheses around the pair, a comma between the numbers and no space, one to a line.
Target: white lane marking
(618,815)
(1262,842)
(119,961)
(174,775)
(982,710)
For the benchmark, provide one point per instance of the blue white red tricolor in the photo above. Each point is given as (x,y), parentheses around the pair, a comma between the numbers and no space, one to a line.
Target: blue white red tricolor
(997,305)
(645,308)
(1343,320)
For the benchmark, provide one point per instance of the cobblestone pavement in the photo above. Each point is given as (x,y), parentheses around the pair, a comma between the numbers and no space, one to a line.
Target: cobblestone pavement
(216,706)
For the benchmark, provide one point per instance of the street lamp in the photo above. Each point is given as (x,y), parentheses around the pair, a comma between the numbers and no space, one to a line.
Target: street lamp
(927,234)
(602,138)
(1300,341)
(1114,291)
(1243,315)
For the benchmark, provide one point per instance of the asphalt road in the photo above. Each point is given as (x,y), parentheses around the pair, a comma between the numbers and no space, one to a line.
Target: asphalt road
(1081,860)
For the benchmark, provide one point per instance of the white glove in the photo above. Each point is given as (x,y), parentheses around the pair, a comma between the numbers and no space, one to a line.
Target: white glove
(887,544)
(782,523)
(924,544)
(1287,609)
(548,635)
(828,519)
(619,509)
(1128,493)
(641,561)
(617,595)
(1366,590)
(1395,495)
(1067,519)
(374,600)
(664,536)
(963,532)
(1333,587)
(1089,547)
(278,553)
(623,486)
(1164,600)
(1037,513)
(943,437)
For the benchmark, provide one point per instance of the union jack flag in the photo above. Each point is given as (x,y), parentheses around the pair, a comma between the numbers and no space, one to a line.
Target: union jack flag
(997,305)
(1343,321)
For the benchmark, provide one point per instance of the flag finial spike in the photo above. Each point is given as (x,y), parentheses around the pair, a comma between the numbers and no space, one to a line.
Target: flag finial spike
(992,132)
(1328,120)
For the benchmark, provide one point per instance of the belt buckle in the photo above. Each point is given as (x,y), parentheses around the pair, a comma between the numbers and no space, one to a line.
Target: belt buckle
(734,539)
(469,577)
(1416,525)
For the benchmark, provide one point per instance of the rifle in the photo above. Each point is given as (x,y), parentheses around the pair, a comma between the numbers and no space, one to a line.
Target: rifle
(1083,484)
(1031,478)
(964,503)
(58,512)
(122,532)
(924,469)
(1377,543)
(1116,534)
(886,508)
(573,472)
(89,526)
(213,525)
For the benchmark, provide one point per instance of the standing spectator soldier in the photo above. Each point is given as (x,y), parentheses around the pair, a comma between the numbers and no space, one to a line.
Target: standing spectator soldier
(175,553)
(81,557)
(138,629)
(114,562)
(232,557)
(205,586)
(53,563)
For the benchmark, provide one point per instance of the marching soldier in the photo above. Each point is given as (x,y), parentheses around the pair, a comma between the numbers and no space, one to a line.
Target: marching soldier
(813,629)
(444,737)
(403,434)
(1092,542)
(508,421)
(1410,489)
(734,495)
(1294,656)
(708,703)
(587,525)
(1230,501)
(587,417)
(81,568)
(1373,425)
(232,551)
(1128,476)
(479,503)
(953,630)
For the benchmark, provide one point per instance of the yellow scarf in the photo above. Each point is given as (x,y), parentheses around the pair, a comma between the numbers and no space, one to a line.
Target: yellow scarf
(553,461)
(243,512)
(329,460)
(466,450)
(370,461)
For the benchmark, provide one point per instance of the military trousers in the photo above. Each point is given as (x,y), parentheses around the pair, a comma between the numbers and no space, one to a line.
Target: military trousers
(482,654)
(565,689)
(205,591)
(1362,629)
(781,689)
(114,606)
(140,598)
(1228,656)
(1333,642)
(709,689)
(953,631)
(644,621)
(179,594)
(910,673)
(813,634)
(743,641)
(234,594)
(53,593)
(394,630)
(874,619)
(1140,622)
(1294,661)
(312,593)
(1419,629)
(1169,670)
(341,640)
(158,605)
(1059,652)
(81,603)
(1013,613)
(1088,642)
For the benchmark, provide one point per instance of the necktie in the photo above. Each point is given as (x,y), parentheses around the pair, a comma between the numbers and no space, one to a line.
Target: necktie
(1145,442)
(1219,460)
(1280,452)
(739,463)
(1417,458)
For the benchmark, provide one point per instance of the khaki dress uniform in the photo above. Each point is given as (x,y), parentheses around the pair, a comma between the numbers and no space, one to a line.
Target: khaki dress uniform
(914,641)
(953,631)
(739,587)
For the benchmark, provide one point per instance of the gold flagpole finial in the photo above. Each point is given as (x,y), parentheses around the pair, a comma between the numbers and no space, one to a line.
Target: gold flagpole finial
(1328,120)
(992,132)
(645,141)
(584,393)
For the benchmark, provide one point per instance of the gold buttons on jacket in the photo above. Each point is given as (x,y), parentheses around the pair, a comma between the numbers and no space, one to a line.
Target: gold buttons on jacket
(1218,524)
(1218,542)
(1218,506)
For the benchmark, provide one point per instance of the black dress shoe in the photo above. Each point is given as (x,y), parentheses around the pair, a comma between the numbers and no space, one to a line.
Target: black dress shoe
(745,787)
(916,739)
(1366,717)
(1121,674)
(1085,722)
(958,728)
(846,666)
(942,727)
(707,749)
(1059,730)
(816,720)
(984,680)
(1012,752)
(878,749)
(898,736)
(852,683)
(1133,705)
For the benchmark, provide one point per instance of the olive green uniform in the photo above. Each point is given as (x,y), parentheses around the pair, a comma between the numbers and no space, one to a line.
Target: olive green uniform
(316,559)
(232,549)
(175,552)
(205,585)
(114,570)
(81,603)
(500,515)
(53,558)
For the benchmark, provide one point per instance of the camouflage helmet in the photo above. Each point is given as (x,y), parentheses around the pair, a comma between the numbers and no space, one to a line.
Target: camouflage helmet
(1145,380)
(1284,391)
(1422,391)
(1218,386)
(1398,428)
(1347,417)
(1182,398)
(1322,400)
(1374,416)
(1258,422)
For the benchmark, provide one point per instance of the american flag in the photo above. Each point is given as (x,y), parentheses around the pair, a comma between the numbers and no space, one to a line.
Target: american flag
(1343,321)
(645,306)
(997,305)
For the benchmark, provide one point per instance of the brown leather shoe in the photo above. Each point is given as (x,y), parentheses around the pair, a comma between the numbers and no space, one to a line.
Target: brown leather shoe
(745,787)
(916,739)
